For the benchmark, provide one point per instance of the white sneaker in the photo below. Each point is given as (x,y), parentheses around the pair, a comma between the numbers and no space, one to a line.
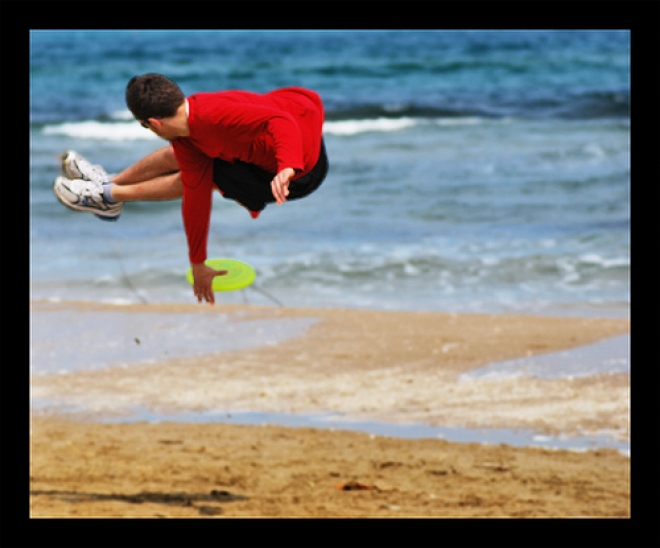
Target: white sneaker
(81,195)
(75,166)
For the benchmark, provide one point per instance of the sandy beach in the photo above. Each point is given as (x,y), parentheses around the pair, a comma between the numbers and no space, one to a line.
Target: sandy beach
(396,367)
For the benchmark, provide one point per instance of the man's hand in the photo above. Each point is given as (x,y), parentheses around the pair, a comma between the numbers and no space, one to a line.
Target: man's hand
(203,279)
(280,184)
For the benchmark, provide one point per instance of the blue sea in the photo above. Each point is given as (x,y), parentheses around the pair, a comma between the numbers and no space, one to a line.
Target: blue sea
(471,171)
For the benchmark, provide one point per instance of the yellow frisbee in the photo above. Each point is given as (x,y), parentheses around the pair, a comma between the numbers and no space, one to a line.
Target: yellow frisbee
(239,274)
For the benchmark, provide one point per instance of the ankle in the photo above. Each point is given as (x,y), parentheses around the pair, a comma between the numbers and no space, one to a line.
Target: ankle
(107,193)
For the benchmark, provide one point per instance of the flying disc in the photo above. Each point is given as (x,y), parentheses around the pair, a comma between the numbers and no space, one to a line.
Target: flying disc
(239,274)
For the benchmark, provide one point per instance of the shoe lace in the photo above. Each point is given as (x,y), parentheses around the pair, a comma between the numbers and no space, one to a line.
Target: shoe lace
(98,172)
(92,192)
(92,171)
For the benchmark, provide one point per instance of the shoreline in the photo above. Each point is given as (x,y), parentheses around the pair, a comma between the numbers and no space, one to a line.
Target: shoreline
(370,366)
(367,365)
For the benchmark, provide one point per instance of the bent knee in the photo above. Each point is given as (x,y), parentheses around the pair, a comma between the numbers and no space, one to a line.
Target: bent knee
(170,158)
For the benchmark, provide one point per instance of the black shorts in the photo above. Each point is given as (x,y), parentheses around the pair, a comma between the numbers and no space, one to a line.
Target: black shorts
(249,185)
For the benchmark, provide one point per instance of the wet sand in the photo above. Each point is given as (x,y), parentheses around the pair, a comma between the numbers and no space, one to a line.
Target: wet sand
(386,366)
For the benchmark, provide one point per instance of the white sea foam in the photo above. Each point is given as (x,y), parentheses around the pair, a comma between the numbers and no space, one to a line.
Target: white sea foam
(121,130)
(124,128)
(102,131)
(593,258)
(468,121)
(380,125)
(353,127)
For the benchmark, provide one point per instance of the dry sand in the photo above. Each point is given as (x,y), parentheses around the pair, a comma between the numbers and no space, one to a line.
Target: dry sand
(386,366)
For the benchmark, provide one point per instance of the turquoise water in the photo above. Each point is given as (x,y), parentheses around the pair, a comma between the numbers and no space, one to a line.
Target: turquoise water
(470,171)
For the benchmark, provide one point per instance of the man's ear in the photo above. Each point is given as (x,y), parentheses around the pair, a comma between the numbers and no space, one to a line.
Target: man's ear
(156,123)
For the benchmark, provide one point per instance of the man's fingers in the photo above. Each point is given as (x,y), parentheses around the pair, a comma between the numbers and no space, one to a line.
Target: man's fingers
(208,296)
(276,192)
(205,292)
(280,186)
(203,282)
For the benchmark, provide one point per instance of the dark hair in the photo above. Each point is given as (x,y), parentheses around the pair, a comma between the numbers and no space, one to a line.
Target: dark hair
(153,96)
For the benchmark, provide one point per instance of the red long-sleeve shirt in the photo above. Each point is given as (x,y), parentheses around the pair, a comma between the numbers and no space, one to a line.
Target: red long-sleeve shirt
(274,131)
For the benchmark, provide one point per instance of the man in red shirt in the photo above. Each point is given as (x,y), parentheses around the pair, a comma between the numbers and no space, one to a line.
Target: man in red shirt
(254,148)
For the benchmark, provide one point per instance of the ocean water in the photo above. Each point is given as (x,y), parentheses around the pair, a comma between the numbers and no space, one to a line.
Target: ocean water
(470,171)
(608,356)
(121,338)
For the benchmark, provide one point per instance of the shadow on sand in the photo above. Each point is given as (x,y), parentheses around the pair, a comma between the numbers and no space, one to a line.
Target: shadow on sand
(174,499)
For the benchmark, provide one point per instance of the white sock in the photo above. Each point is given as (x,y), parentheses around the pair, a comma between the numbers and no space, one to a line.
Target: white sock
(107,193)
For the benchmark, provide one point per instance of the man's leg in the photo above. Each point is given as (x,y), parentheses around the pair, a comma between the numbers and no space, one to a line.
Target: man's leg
(154,177)
(165,187)
(160,162)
